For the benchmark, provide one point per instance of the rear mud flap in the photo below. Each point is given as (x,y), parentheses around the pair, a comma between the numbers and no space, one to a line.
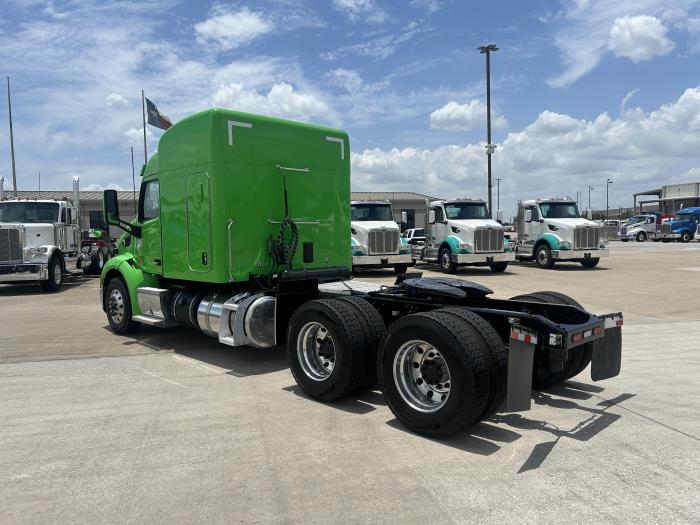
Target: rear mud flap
(607,355)
(521,355)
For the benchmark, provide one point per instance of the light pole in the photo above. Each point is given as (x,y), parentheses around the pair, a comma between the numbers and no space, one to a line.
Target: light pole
(607,198)
(487,49)
(589,197)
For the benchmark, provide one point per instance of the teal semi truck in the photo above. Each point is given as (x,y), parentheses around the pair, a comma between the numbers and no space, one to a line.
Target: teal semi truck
(242,232)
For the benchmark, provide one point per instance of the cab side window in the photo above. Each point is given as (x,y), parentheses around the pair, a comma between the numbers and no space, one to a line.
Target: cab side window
(439,214)
(149,203)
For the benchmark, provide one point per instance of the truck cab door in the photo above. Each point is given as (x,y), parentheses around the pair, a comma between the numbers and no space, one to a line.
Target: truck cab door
(198,222)
(151,250)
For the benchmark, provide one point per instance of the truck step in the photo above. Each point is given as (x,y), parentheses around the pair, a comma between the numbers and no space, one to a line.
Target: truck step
(155,307)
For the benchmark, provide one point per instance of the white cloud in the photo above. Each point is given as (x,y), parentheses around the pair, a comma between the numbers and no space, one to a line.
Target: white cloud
(639,38)
(282,100)
(379,47)
(583,33)
(464,116)
(116,100)
(626,99)
(231,29)
(362,10)
(134,137)
(555,154)
(427,6)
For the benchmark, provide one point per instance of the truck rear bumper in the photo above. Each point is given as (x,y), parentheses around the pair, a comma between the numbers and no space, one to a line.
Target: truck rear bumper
(379,261)
(482,258)
(10,273)
(567,255)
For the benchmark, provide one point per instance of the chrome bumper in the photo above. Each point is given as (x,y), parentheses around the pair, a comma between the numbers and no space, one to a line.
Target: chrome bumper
(486,258)
(381,260)
(580,254)
(10,273)
(670,236)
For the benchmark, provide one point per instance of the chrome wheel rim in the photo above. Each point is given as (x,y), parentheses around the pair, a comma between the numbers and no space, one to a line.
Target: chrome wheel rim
(542,256)
(445,260)
(421,376)
(316,351)
(115,303)
(57,273)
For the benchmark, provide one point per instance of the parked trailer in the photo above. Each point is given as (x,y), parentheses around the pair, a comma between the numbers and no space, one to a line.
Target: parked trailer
(215,250)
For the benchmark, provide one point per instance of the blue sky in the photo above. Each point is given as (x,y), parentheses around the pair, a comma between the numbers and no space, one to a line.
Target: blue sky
(581,91)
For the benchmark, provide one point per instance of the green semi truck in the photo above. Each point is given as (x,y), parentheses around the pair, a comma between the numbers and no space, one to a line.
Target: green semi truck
(243,232)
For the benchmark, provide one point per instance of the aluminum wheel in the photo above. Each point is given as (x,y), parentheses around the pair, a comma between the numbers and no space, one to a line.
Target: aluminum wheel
(57,273)
(115,305)
(542,256)
(422,376)
(316,351)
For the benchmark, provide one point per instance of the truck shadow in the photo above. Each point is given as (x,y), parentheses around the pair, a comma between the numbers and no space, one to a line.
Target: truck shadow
(596,420)
(361,404)
(239,362)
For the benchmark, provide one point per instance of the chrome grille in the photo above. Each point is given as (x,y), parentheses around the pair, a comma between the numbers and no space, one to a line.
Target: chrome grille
(10,246)
(488,240)
(586,237)
(665,228)
(383,242)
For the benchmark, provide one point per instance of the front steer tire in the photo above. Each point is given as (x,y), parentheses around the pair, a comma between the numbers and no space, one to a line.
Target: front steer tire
(327,349)
(118,307)
(590,263)
(400,268)
(447,350)
(55,281)
(543,257)
(498,267)
(447,265)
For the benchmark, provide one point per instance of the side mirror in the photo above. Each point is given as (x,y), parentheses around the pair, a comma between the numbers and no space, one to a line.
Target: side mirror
(528,215)
(404,217)
(431,216)
(111,207)
(111,214)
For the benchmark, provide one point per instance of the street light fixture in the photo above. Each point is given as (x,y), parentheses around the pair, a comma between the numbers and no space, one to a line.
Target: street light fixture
(487,50)
(607,198)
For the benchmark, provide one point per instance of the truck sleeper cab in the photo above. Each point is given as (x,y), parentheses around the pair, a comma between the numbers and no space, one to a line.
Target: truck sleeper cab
(551,230)
(683,226)
(460,233)
(444,354)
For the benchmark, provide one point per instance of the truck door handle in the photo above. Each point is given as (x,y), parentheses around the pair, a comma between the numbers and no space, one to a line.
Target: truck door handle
(157,262)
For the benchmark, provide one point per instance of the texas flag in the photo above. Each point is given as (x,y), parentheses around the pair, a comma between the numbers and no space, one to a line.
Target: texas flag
(155,117)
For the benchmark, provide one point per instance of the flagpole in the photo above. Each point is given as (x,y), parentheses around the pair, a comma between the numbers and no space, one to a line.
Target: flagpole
(143,114)
(12,140)
(133,178)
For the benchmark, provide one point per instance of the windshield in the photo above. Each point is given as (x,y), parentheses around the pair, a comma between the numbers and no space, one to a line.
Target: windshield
(28,212)
(636,219)
(371,212)
(466,210)
(681,217)
(559,210)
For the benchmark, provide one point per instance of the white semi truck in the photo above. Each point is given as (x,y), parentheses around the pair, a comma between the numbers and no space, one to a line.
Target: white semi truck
(376,238)
(551,230)
(39,239)
(461,232)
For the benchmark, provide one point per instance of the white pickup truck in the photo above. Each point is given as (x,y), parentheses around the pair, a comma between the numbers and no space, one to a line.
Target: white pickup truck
(461,232)
(376,240)
(38,239)
(551,230)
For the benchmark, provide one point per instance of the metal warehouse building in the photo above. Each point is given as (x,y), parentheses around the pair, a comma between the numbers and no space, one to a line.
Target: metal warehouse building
(670,198)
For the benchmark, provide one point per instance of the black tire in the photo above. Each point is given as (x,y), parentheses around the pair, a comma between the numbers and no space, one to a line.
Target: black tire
(348,344)
(590,263)
(98,262)
(447,265)
(375,331)
(499,267)
(118,307)
(400,268)
(686,237)
(666,240)
(55,281)
(458,350)
(496,357)
(641,237)
(624,240)
(577,360)
(543,257)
